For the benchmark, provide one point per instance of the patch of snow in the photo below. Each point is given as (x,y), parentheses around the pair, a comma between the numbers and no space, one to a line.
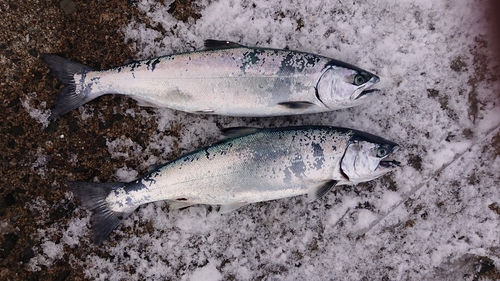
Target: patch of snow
(40,113)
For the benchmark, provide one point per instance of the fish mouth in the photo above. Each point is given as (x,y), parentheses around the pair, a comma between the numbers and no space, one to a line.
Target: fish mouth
(389,164)
(367,93)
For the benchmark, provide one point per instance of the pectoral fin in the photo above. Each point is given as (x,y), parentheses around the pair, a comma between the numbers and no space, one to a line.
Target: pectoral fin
(296,104)
(231,207)
(318,191)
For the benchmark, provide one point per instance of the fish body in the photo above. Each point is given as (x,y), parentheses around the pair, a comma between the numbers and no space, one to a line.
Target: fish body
(224,79)
(261,165)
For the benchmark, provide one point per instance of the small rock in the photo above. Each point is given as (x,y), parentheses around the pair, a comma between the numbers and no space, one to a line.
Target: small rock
(8,200)
(33,52)
(68,6)
(28,254)
(17,131)
(8,244)
(63,275)
(35,276)
(49,146)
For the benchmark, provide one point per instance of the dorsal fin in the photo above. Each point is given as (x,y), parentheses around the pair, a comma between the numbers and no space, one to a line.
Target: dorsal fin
(211,44)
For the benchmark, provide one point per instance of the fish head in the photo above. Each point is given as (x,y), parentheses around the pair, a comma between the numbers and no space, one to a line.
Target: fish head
(342,85)
(367,158)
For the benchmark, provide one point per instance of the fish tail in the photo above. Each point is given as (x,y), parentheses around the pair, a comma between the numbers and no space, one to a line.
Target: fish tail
(69,98)
(93,197)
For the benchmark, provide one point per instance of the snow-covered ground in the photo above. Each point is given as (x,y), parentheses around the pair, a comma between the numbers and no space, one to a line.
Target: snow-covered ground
(434,219)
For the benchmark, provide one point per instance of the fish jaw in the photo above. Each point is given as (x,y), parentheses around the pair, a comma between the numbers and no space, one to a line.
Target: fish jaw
(387,166)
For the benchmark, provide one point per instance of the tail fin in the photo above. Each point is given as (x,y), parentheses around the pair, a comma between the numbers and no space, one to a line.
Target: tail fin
(65,70)
(93,197)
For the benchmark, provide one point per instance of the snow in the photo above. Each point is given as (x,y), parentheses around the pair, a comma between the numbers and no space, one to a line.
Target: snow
(41,115)
(209,273)
(429,220)
(126,174)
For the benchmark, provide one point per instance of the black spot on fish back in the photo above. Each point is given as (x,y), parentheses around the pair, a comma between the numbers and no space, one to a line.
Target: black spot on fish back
(287,65)
(317,150)
(135,65)
(311,60)
(250,58)
(297,62)
(151,63)
(149,179)
(154,63)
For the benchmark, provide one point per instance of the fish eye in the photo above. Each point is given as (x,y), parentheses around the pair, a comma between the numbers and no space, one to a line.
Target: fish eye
(359,79)
(382,151)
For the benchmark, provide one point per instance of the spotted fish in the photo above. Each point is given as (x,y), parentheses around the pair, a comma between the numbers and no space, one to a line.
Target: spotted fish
(225,78)
(253,166)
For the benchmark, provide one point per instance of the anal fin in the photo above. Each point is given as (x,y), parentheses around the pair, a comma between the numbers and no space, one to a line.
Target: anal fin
(231,207)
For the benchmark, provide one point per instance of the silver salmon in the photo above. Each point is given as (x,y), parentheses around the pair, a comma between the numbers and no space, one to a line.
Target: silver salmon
(225,78)
(258,165)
